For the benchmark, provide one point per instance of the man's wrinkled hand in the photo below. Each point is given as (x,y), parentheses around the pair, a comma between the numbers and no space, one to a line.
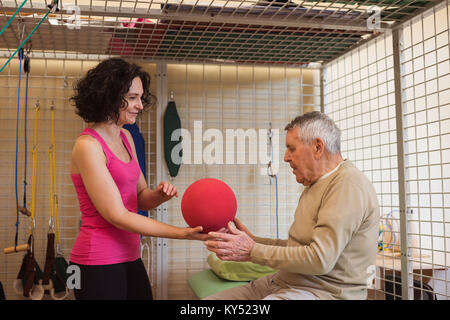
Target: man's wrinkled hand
(233,246)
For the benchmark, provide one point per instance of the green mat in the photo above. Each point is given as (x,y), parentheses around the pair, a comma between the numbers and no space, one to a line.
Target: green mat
(206,283)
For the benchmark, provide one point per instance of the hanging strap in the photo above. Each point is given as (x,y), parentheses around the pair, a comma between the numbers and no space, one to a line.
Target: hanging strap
(28,246)
(30,269)
(17,151)
(34,169)
(33,272)
(26,67)
(53,221)
(49,261)
(29,275)
(54,279)
(27,272)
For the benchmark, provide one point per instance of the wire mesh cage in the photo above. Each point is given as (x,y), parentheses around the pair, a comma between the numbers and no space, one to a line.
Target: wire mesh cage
(258,64)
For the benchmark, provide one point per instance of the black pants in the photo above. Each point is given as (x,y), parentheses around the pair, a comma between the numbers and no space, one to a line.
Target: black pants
(122,281)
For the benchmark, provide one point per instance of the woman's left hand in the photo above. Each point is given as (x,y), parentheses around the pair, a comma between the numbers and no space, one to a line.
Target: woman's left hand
(166,191)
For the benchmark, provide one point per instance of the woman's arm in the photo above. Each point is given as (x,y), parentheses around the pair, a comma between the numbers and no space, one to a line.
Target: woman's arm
(89,159)
(149,199)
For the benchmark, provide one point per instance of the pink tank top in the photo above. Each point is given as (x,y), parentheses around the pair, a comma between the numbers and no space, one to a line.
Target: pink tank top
(99,242)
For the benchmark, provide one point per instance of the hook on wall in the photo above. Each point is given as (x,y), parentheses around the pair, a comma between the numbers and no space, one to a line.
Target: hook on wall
(21,30)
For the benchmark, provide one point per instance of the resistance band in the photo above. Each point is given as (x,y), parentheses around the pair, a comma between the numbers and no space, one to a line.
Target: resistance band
(34,168)
(52,9)
(17,150)
(55,276)
(53,222)
(26,68)
(30,274)
(23,209)
(22,247)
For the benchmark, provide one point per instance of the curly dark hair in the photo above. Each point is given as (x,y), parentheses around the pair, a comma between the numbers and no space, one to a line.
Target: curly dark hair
(99,96)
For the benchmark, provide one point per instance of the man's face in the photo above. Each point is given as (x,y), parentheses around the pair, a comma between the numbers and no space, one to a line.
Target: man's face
(300,157)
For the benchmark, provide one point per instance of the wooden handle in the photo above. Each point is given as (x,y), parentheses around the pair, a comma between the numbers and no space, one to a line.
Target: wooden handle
(25,211)
(22,247)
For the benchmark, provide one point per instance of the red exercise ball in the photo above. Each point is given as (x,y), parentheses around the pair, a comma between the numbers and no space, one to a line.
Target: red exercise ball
(209,203)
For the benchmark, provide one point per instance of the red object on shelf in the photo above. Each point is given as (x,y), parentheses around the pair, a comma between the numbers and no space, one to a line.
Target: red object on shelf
(138,38)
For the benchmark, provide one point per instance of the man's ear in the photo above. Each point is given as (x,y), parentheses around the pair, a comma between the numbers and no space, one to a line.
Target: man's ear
(318,148)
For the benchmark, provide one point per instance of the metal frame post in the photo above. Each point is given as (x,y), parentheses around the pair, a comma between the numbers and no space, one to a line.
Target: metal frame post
(161,175)
(405,241)
(322,92)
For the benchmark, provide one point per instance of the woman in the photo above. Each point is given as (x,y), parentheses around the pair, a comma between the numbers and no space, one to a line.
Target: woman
(111,187)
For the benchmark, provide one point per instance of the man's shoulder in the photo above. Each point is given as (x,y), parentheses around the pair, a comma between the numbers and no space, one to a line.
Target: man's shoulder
(349,173)
(348,169)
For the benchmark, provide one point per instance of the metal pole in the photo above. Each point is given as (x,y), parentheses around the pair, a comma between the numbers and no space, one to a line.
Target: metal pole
(322,93)
(161,211)
(406,275)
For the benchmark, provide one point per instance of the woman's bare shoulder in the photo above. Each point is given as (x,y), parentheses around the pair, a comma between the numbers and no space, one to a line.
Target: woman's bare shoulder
(86,150)
(86,143)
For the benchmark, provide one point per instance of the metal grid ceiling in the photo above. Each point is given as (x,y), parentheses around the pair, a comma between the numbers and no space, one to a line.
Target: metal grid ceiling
(296,32)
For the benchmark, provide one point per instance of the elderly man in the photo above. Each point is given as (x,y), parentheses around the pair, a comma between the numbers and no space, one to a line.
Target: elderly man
(332,244)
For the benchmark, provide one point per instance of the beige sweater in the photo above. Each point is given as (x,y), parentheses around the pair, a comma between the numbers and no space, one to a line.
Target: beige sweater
(333,240)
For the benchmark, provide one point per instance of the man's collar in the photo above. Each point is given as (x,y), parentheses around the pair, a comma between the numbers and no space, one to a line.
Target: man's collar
(330,172)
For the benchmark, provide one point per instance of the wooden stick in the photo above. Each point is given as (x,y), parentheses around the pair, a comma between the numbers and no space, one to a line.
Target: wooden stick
(25,211)
(22,247)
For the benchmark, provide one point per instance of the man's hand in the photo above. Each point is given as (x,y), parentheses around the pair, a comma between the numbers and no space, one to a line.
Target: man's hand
(241,227)
(233,246)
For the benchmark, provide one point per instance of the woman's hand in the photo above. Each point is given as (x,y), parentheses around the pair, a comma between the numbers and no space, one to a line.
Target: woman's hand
(195,234)
(166,191)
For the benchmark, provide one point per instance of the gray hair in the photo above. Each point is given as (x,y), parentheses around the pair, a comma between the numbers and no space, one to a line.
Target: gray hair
(314,125)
